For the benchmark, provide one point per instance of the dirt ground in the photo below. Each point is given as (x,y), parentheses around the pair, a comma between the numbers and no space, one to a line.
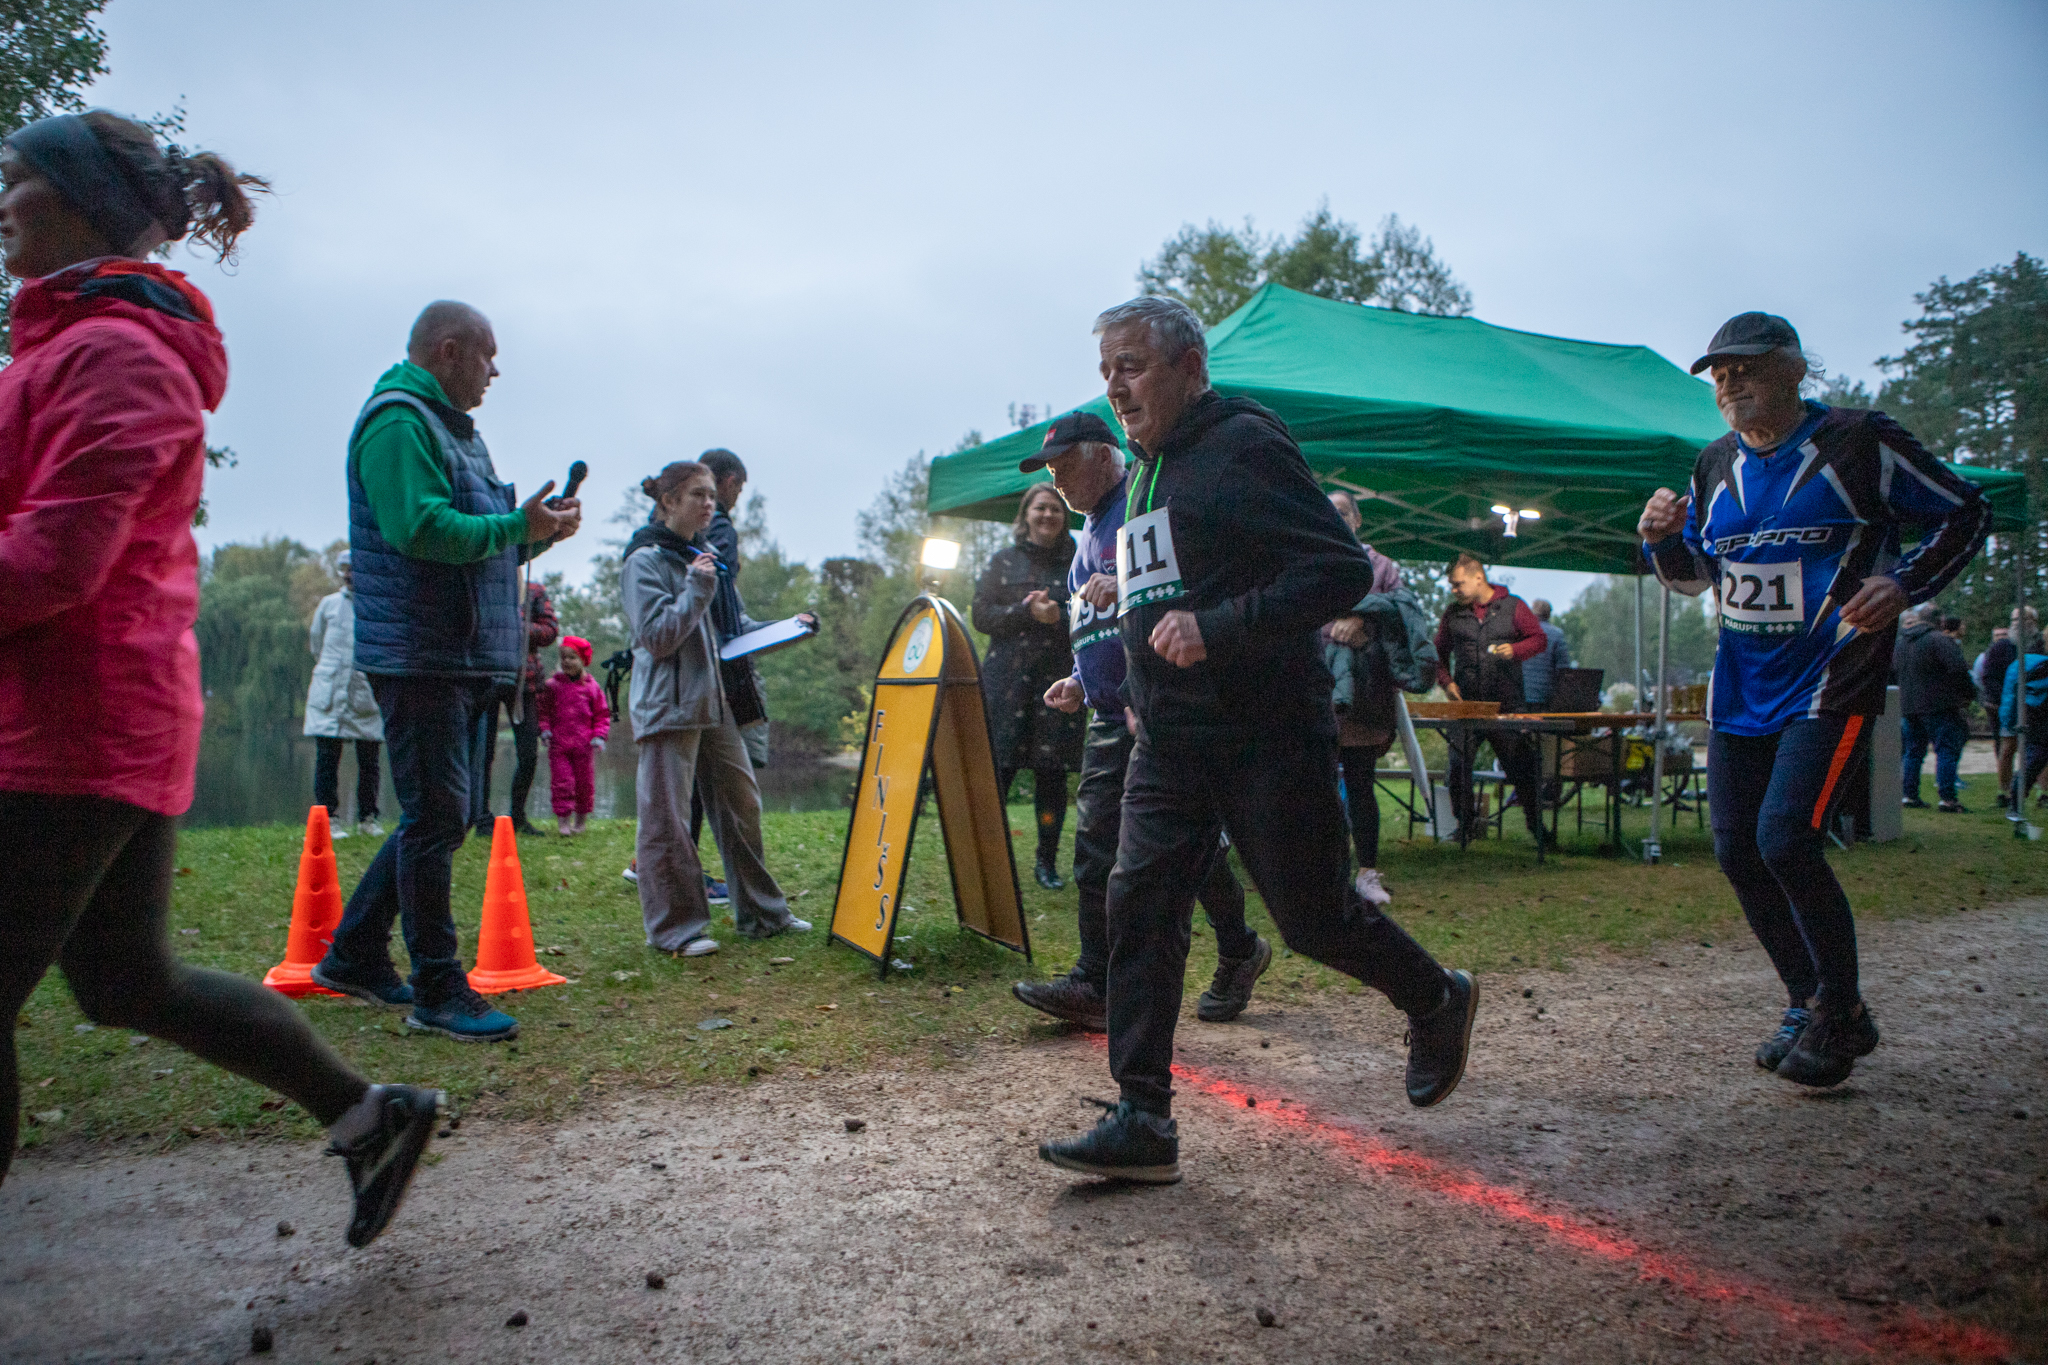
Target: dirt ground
(1614,1181)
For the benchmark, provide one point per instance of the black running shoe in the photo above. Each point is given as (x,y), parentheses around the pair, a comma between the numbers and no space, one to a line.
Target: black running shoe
(1772,1050)
(1438,1042)
(1066,998)
(1128,1144)
(1828,1048)
(1231,990)
(1048,876)
(382,1161)
(1953,808)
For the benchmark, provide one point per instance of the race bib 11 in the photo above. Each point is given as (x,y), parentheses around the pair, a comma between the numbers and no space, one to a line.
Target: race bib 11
(1146,570)
(1762,599)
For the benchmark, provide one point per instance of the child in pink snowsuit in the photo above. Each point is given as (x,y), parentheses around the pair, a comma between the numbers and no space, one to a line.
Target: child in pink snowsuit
(574,721)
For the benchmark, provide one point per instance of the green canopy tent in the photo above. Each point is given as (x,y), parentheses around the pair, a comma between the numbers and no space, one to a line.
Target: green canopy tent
(1440,425)
(1433,422)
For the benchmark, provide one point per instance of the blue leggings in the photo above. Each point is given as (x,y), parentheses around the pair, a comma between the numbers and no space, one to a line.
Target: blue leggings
(1773,802)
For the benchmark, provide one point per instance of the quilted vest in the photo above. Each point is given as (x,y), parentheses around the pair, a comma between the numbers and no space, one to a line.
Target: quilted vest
(414,616)
(1479,675)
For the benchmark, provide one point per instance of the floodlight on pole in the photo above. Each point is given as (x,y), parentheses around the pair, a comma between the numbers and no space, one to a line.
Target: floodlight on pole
(1512,519)
(937,557)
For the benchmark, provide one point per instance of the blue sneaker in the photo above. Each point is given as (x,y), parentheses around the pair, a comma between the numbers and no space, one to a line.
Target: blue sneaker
(379,988)
(1779,1045)
(466,1017)
(715,891)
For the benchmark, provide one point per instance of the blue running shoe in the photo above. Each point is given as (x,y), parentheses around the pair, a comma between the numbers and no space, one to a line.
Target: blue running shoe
(379,988)
(715,891)
(466,1017)
(1773,1049)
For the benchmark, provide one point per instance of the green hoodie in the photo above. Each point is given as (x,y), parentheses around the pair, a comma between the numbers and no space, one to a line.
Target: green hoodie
(407,482)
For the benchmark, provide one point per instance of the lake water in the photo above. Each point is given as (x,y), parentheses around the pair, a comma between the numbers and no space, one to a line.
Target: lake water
(236,787)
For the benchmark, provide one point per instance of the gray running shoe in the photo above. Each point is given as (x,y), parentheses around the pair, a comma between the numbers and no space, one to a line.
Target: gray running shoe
(381,1162)
(1830,1044)
(1128,1144)
(1067,998)
(1231,988)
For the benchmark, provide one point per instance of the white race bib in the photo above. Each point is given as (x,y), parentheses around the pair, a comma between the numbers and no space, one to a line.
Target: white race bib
(1146,570)
(1762,599)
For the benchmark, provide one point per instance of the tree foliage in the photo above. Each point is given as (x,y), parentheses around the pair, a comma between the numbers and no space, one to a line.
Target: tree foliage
(1973,386)
(1600,627)
(1214,269)
(50,50)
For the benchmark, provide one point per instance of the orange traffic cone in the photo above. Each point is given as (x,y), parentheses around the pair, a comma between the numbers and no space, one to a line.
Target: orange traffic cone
(504,946)
(316,913)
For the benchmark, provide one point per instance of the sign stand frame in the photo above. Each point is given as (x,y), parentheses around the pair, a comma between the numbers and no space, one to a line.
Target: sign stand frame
(971,813)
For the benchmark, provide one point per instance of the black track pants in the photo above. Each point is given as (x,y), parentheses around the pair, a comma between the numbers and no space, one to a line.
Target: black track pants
(1100,804)
(1276,796)
(86,882)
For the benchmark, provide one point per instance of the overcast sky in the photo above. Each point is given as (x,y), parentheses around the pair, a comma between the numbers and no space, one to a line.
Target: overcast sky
(829,236)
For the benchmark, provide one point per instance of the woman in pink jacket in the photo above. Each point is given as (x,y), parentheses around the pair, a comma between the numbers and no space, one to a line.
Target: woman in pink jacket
(575,721)
(102,448)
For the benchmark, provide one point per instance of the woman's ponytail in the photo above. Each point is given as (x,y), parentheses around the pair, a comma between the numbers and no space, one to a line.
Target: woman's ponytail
(195,194)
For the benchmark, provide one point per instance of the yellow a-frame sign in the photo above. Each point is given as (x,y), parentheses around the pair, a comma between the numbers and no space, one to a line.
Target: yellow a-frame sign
(927,713)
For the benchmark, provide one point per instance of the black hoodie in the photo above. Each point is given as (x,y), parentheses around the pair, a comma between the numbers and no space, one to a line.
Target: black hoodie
(1264,560)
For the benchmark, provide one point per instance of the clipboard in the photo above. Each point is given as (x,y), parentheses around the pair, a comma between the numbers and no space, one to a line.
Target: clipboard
(771,637)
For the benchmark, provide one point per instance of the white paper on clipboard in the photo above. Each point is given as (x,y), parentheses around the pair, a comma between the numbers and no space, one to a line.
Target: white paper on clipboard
(769,637)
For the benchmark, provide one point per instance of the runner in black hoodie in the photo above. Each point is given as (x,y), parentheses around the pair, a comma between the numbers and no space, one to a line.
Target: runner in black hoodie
(1230,559)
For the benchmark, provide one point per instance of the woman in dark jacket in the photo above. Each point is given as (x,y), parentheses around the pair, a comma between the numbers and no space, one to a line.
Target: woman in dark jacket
(1021,605)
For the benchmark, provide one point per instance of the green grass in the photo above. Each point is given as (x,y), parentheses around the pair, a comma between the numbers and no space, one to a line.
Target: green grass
(630,1020)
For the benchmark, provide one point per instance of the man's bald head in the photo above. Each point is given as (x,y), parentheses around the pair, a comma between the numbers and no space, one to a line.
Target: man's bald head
(454,343)
(444,319)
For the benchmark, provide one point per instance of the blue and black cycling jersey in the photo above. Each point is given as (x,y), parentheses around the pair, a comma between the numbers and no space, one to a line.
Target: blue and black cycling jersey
(1785,537)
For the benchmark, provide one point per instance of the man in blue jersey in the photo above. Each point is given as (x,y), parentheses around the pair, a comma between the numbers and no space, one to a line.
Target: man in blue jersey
(1794,520)
(1088,470)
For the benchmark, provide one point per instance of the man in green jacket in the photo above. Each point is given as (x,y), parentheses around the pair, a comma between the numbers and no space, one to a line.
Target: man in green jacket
(436,542)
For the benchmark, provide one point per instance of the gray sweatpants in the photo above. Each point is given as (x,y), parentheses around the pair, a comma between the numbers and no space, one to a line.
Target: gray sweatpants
(672,900)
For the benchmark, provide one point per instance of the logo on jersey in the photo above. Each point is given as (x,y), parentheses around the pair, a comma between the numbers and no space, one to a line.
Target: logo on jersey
(1783,535)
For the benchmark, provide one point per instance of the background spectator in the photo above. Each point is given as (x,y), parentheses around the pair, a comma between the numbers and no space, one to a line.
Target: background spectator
(1021,605)
(341,708)
(1998,660)
(1486,635)
(1934,689)
(542,629)
(575,720)
(1539,670)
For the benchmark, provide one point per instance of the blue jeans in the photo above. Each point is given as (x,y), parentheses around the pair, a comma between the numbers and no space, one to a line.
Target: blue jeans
(1773,801)
(1947,731)
(429,726)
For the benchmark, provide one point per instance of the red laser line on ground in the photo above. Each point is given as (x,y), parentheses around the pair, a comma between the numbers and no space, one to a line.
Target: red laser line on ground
(1909,1334)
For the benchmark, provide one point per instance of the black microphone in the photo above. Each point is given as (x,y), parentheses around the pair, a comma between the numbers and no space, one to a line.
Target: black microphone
(576,473)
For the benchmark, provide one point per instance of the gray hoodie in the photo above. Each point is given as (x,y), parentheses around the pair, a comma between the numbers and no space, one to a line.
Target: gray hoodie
(675,647)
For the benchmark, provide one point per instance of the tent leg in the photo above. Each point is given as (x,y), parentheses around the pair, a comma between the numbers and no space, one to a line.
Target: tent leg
(1653,847)
(1638,677)
(2018,813)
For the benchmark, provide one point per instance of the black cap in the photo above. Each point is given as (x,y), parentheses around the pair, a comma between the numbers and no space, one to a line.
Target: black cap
(1076,428)
(1747,334)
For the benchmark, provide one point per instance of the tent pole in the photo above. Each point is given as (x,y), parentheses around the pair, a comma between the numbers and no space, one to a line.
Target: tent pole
(2018,813)
(1653,848)
(1638,679)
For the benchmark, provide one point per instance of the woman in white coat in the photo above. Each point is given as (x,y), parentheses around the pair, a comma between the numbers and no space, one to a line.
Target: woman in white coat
(340,707)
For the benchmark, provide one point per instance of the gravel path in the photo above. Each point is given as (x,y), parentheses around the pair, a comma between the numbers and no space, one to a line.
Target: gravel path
(1614,1181)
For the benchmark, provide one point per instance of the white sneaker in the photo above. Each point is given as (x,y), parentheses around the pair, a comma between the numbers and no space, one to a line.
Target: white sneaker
(632,875)
(338,834)
(1371,889)
(370,829)
(796,926)
(700,947)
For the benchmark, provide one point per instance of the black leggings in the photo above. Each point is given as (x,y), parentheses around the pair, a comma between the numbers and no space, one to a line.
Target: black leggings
(1050,801)
(86,882)
(1362,799)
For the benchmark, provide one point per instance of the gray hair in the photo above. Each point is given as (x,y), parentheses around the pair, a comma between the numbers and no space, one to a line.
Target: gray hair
(1174,328)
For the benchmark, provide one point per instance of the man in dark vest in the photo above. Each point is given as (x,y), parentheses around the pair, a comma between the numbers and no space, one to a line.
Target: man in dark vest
(1486,634)
(436,541)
